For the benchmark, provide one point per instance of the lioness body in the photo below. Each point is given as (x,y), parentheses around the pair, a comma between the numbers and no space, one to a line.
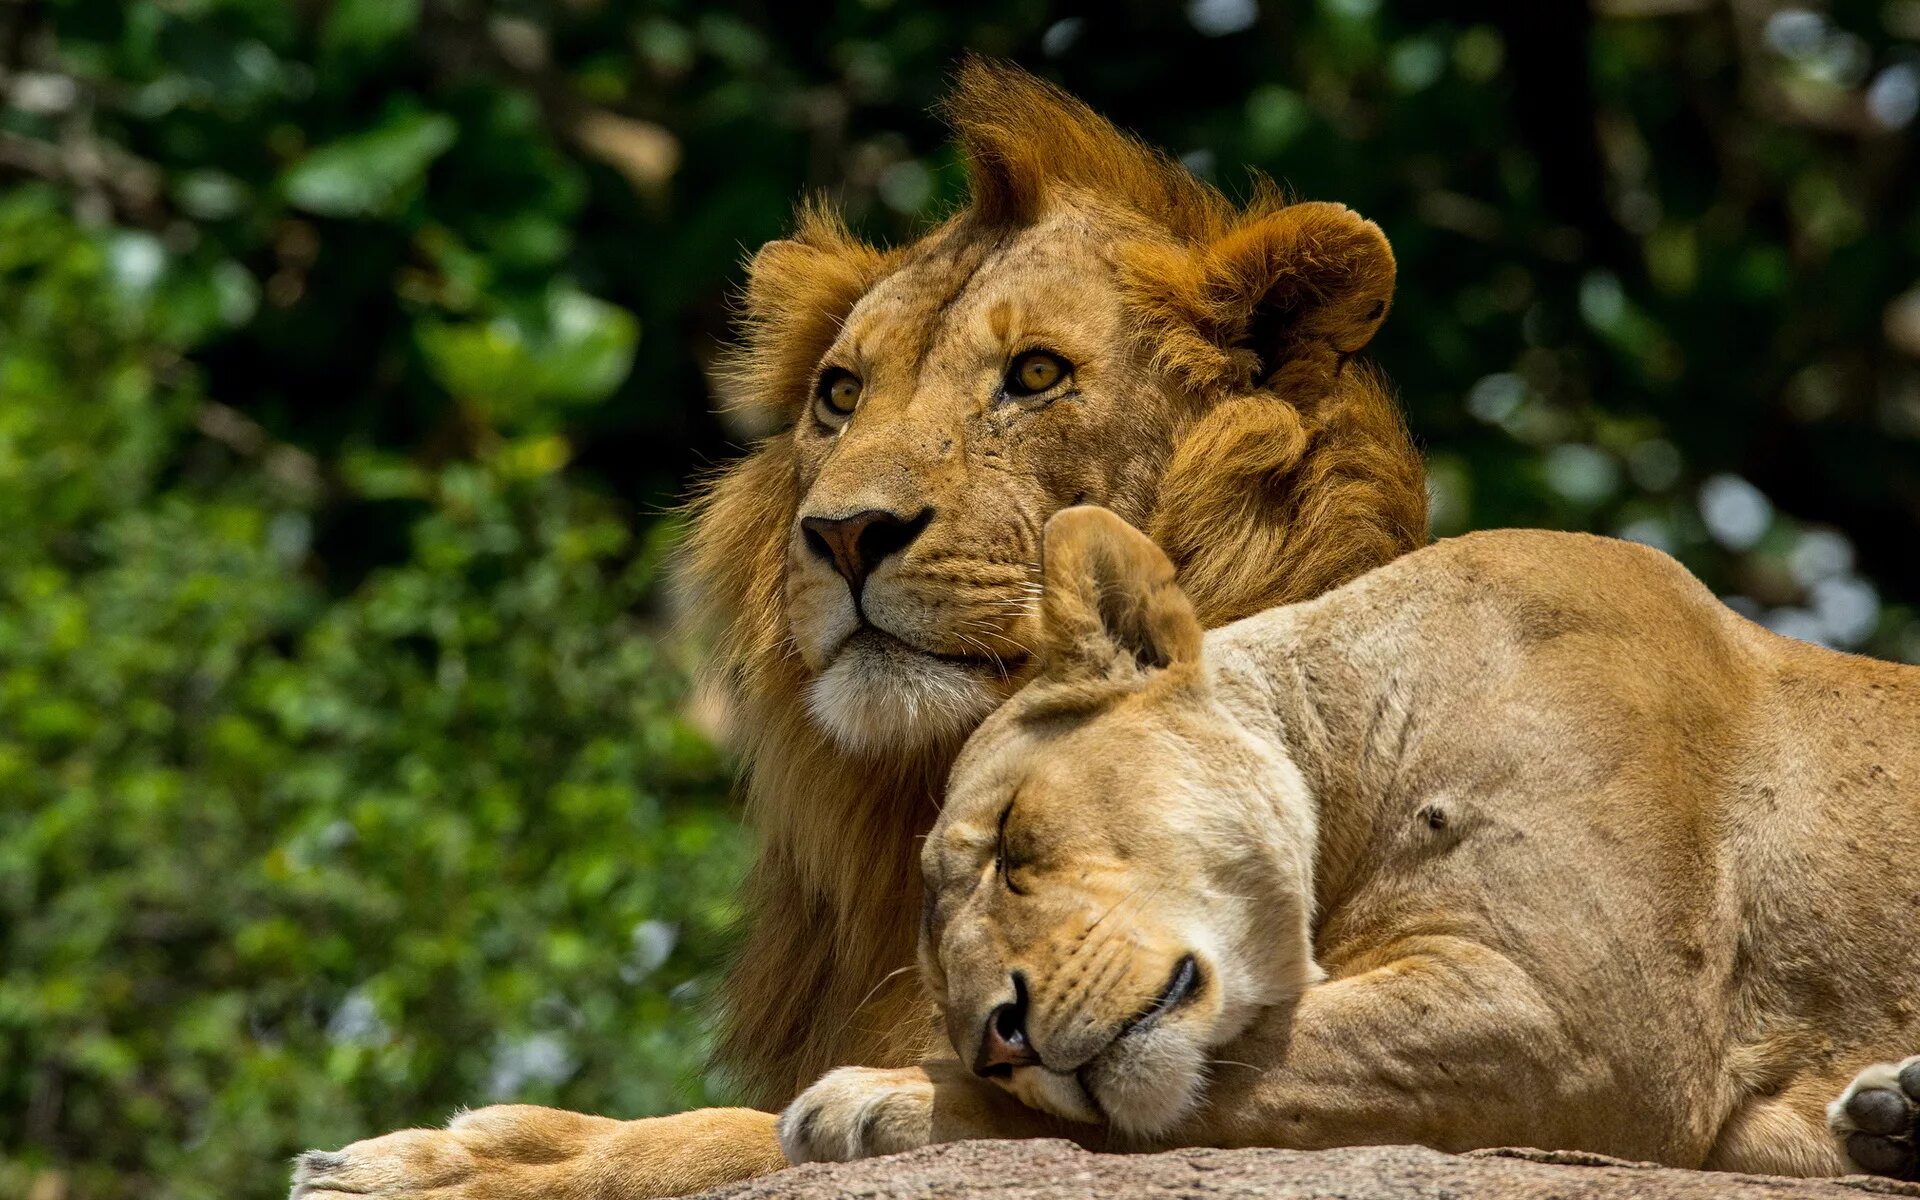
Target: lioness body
(1629,865)
(1590,861)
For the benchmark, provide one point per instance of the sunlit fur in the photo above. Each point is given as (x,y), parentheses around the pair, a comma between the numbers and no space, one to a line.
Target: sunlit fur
(1523,839)
(1271,464)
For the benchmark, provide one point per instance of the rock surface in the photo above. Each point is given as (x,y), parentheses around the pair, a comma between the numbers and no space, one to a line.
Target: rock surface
(1056,1170)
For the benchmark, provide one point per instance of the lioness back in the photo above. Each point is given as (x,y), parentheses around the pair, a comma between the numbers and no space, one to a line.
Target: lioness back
(1699,826)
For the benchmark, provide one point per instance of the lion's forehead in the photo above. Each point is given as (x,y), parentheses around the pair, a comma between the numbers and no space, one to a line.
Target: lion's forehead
(1054,278)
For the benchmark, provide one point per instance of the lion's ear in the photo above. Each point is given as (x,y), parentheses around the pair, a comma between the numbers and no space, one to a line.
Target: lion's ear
(1307,280)
(1110,608)
(1306,273)
(799,291)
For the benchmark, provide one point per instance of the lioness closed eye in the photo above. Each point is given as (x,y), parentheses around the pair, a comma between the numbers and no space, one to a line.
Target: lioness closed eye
(1521,839)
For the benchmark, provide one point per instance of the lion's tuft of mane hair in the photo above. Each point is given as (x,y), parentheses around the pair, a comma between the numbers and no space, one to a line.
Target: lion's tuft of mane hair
(1022,137)
(1265,501)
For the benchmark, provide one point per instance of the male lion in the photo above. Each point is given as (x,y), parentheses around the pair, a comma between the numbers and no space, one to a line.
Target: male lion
(1523,839)
(1096,325)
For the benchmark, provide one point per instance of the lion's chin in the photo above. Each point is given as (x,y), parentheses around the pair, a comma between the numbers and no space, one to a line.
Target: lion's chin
(881,696)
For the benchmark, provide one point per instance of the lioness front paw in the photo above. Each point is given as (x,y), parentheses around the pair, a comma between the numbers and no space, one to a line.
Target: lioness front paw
(859,1112)
(1875,1118)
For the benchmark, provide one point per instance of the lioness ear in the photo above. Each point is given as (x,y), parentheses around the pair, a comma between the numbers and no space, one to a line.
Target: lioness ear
(1308,280)
(799,291)
(1110,606)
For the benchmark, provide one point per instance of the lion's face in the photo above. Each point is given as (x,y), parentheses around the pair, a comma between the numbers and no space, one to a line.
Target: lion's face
(1118,883)
(972,392)
(1096,324)
(1052,344)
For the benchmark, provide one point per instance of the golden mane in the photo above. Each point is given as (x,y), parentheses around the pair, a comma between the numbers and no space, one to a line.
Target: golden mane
(1297,477)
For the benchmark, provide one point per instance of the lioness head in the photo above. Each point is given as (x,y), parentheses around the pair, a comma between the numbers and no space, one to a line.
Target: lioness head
(1046,346)
(1120,879)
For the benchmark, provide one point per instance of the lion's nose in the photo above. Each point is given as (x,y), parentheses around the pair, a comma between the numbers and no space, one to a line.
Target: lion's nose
(1003,1045)
(857,544)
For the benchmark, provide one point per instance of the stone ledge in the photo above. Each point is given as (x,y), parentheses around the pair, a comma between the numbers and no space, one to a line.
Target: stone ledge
(1058,1170)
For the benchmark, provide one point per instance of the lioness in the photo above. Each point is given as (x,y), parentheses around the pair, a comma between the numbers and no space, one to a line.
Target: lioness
(1096,325)
(1521,839)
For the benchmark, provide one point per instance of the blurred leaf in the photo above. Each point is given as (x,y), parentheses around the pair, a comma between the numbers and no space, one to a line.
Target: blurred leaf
(368,25)
(571,350)
(367,174)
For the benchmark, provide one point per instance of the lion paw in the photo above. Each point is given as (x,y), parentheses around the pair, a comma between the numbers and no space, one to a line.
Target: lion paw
(859,1112)
(487,1154)
(411,1163)
(1875,1118)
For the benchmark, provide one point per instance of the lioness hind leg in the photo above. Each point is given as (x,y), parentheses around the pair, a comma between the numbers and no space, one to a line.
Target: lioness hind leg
(1876,1116)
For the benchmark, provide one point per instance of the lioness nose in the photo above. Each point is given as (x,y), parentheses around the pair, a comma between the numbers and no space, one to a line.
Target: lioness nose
(857,544)
(1003,1046)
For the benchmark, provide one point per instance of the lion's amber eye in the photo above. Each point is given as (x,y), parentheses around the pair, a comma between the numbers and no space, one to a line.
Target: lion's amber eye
(838,393)
(1034,372)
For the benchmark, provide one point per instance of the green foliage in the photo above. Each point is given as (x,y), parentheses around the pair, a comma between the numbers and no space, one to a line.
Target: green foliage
(280,867)
(346,347)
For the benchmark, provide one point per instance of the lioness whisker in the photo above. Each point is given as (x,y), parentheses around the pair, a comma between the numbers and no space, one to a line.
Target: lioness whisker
(1095,979)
